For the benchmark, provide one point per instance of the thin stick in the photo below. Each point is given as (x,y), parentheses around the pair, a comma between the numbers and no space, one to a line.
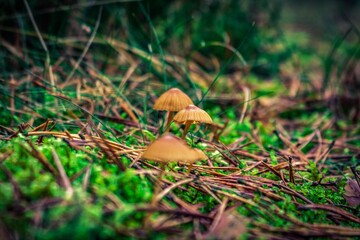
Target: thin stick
(91,39)
(35,26)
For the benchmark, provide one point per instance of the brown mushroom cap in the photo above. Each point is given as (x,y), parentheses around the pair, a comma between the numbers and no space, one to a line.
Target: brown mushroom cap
(172,100)
(169,148)
(192,114)
(201,154)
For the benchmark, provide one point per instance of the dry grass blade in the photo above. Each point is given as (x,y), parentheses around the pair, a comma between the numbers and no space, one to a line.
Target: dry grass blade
(294,193)
(332,209)
(65,180)
(226,153)
(7,130)
(86,178)
(246,103)
(295,150)
(219,215)
(312,230)
(42,159)
(42,126)
(284,165)
(291,171)
(17,191)
(91,39)
(168,189)
(174,211)
(93,141)
(237,198)
(271,169)
(247,154)
(4,232)
(4,156)
(127,122)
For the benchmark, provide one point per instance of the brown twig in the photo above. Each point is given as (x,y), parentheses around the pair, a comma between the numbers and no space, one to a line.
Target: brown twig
(42,159)
(332,209)
(174,211)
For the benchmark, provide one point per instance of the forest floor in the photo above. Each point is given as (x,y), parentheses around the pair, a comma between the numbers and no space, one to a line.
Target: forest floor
(282,153)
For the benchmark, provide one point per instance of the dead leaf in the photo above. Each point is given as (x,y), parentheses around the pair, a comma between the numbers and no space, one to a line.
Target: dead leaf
(352,193)
(230,226)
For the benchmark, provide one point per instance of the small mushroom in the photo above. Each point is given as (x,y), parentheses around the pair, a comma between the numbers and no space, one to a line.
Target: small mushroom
(172,101)
(190,115)
(169,148)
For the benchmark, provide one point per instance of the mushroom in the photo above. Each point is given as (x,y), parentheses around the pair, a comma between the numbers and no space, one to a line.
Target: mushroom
(172,101)
(169,148)
(191,114)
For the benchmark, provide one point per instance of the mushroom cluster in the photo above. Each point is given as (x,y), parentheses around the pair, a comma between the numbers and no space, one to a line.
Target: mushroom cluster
(169,148)
(175,100)
(172,101)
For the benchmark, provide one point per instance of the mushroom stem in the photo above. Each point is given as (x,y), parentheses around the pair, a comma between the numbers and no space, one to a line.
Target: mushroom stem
(186,129)
(169,120)
(190,167)
(154,202)
(158,184)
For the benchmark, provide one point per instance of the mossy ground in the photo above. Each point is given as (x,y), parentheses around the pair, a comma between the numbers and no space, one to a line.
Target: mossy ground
(76,116)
